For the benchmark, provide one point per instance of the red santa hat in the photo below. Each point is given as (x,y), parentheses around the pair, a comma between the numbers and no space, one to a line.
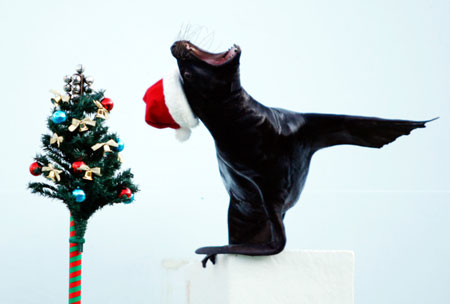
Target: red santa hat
(167,106)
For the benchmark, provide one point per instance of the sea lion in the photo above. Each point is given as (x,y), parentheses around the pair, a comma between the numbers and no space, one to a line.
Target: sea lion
(264,153)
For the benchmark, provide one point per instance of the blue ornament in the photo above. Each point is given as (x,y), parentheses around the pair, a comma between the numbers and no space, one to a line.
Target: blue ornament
(59,117)
(130,200)
(121,145)
(79,195)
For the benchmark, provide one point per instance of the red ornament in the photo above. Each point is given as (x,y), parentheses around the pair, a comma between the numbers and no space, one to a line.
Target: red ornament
(35,169)
(125,191)
(107,103)
(76,166)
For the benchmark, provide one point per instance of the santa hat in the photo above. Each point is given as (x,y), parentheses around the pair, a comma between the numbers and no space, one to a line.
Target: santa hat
(167,106)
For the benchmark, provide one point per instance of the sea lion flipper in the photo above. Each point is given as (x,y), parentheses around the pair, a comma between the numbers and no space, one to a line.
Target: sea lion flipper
(209,257)
(326,130)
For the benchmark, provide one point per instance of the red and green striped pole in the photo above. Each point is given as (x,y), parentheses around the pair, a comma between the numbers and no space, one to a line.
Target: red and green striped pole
(74,269)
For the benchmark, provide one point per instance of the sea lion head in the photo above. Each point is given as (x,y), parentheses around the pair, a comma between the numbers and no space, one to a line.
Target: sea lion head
(207,76)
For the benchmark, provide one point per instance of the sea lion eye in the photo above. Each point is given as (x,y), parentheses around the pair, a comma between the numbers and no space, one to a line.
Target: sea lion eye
(187,75)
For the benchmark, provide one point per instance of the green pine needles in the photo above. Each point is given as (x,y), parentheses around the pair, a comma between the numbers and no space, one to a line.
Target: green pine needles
(80,154)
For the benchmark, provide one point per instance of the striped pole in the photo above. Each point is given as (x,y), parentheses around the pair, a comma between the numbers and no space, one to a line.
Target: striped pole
(74,269)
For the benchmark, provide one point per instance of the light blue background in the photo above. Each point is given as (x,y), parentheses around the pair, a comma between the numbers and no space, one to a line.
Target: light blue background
(379,58)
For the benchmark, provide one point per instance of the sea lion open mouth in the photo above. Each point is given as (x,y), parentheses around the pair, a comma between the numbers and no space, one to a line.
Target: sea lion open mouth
(186,50)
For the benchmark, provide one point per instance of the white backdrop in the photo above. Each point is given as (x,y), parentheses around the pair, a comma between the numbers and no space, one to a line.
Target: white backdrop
(379,58)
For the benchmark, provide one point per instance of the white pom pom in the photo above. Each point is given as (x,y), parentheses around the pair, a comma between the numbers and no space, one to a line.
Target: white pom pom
(183,134)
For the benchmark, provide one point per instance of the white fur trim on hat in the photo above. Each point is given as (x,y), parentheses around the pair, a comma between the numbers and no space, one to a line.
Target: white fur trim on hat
(178,105)
(182,134)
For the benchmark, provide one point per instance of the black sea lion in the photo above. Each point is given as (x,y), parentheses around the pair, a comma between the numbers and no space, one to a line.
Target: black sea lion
(264,153)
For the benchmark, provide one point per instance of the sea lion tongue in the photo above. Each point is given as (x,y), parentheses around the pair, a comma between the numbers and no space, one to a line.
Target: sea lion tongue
(186,50)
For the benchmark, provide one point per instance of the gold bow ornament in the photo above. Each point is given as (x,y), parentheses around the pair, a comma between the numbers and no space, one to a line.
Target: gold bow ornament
(58,97)
(56,139)
(89,171)
(83,124)
(53,173)
(106,146)
(101,112)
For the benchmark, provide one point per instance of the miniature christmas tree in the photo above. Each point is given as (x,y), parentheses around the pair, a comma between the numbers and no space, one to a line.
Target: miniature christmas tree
(82,160)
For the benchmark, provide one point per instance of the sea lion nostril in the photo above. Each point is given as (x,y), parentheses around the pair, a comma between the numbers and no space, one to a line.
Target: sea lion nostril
(180,50)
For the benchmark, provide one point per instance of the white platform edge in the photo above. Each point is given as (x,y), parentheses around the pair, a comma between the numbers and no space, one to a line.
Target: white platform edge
(300,277)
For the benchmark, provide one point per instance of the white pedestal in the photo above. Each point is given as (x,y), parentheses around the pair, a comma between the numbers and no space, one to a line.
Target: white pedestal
(291,277)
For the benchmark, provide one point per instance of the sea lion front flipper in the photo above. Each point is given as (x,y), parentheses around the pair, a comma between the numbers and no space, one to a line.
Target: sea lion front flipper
(326,130)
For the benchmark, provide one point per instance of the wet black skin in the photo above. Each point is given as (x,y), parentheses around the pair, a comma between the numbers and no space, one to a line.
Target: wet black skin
(264,153)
